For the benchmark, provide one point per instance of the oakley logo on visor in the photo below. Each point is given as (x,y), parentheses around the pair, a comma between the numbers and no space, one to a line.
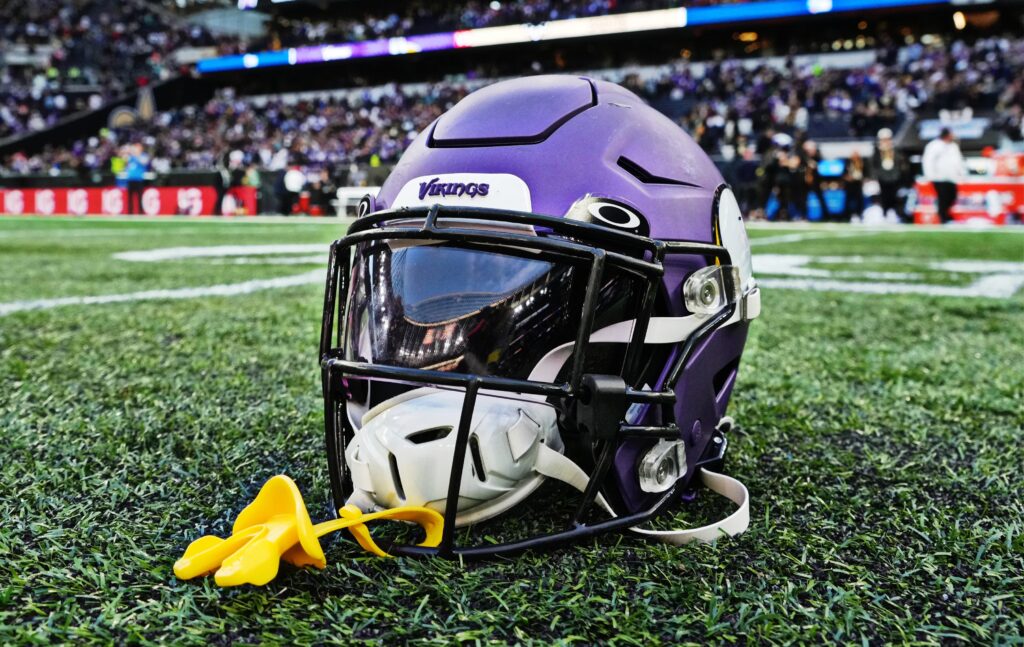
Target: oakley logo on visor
(614,215)
(608,212)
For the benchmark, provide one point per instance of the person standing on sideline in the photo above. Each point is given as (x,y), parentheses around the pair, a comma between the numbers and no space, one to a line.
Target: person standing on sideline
(942,165)
(853,186)
(136,168)
(810,177)
(889,167)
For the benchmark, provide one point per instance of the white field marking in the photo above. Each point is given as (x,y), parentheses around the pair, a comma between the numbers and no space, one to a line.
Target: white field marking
(782,263)
(978,267)
(225,290)
(222,251)
(999,280)
(998,286)
(878,276)
(795,265)
(263,260)
(810,235)
(996,279)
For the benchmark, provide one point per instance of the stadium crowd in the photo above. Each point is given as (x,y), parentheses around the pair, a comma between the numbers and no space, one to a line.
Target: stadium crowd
(59,57)
(96,50)
(77,55)
(756,117)
(984,76)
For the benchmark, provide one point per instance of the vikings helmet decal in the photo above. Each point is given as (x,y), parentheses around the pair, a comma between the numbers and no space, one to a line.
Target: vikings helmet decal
(554,284)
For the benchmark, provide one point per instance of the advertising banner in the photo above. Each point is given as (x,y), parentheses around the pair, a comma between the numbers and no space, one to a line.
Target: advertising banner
(989,200)
(113,201)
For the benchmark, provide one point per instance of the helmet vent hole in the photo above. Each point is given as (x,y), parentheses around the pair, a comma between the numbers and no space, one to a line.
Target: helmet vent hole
(429,435)
(478,462)
(646,177)
(396,477)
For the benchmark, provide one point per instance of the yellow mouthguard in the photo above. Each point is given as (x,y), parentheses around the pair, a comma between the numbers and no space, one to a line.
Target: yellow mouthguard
(276,526)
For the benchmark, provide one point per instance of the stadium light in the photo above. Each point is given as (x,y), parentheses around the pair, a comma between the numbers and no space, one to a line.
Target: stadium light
(637,21)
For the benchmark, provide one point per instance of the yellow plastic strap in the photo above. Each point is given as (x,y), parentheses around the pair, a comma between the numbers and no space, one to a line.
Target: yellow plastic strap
(355,521)
(276,526)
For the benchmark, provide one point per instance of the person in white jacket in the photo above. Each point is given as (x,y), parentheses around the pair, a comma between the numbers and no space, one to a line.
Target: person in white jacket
(943,164)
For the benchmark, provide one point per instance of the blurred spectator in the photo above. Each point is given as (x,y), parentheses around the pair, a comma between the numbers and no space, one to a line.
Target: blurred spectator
(781,176)
(324,191)
(943,165)
(890,168)
(135,169)
(254,179)
(854,173)
(808,180)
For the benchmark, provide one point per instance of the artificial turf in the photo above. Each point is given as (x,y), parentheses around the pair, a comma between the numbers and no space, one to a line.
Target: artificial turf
(880,437)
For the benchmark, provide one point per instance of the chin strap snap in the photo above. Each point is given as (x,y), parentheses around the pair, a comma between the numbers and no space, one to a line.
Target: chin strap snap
(276,526)
(554,465)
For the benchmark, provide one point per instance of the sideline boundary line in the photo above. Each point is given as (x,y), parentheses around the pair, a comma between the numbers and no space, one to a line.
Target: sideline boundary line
(223,290)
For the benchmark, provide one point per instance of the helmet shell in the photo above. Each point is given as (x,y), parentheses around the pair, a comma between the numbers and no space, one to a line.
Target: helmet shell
(565,136)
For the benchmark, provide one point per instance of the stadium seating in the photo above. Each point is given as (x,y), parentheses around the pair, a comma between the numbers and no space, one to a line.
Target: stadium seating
(66,57)
(62,58)
(722,104)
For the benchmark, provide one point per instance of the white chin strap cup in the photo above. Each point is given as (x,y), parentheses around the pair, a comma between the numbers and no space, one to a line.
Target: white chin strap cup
(404,450)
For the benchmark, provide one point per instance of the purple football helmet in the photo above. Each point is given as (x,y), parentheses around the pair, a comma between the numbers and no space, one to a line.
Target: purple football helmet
(554,284)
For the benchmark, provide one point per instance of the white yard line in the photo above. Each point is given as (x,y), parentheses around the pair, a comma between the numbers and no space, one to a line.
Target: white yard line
(809,235)
(225,290)
(220,251)
(997,280)
(794,264)
(997,286)
(994,280)
(313,259)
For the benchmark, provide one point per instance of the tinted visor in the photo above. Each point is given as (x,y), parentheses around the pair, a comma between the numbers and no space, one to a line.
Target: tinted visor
(443,307)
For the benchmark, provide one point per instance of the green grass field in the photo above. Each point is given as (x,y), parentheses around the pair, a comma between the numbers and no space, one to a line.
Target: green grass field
(881,436)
